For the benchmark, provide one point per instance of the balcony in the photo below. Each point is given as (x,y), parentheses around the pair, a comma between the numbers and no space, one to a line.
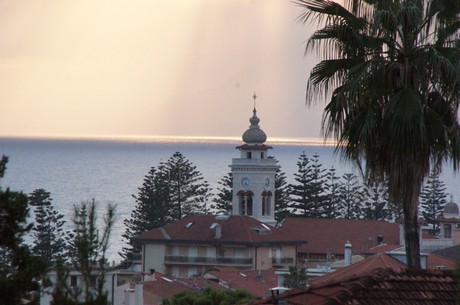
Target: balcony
(282,261)
(252,162)
(203,260)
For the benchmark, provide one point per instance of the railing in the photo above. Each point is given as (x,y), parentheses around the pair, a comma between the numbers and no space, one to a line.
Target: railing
(207,260)
(282,261)
(238,161)
(430,245)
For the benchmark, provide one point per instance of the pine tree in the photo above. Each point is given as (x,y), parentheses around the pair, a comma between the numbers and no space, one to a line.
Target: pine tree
(20,271)
(376,201)
(151,210)
(332,189)
(223,201)
(188,192)
(351,197)
(48,233)
(317,191)
(307,195)
(282,209)
(433,200)
(299,195)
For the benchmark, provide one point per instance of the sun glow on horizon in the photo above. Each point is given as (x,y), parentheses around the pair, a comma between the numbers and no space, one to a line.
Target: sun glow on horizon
(142,67)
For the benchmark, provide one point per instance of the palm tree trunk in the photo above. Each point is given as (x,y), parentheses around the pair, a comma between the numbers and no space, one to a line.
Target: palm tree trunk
(411,230)
(412,241)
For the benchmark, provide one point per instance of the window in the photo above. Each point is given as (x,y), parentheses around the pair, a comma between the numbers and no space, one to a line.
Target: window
(249,155)
(245,202)
(266,203)
(73,281)
(447,230)
(261,155)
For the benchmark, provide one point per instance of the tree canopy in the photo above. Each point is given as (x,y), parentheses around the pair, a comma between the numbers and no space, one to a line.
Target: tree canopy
(390,72)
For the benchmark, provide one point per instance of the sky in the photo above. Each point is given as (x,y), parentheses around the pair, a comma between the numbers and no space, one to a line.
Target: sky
(154,68)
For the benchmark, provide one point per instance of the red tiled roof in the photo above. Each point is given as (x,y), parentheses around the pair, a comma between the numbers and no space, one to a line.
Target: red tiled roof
(436,261)
(383,248)
(234,230)
(257,282)
(380,287)
(330,235)
(381,260)
(365,266)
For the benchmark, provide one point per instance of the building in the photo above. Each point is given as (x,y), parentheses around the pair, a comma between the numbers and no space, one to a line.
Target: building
(254,175)
(379,286)
(195,244)
(325,238)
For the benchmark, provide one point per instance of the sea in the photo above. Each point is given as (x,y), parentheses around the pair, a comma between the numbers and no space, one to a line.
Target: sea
(110,170)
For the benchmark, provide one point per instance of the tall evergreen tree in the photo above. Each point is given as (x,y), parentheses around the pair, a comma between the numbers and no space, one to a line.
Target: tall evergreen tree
(298,192)
(223,202)
(307,196)
(332,189)
(317,190)
(282,209)
(351,197)
(151,210)
(48,231)
(169,192)
(433,200)
(375,205)
(189,193)
(20,270)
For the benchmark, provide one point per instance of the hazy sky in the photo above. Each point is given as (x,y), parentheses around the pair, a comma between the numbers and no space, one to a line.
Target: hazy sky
(152,67)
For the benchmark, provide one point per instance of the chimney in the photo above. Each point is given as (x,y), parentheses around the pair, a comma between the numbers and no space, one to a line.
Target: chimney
(379,240)
(347,254)
(218,232)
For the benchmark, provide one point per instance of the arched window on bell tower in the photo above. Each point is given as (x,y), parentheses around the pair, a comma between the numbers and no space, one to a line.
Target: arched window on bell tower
(245,202)
(266,203)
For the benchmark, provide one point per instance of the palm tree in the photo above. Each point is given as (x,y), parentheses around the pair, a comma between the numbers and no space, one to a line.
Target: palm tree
(390,72)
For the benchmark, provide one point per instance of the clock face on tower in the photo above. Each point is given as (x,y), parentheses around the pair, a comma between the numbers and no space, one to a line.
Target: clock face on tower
(267,183)
(245,183)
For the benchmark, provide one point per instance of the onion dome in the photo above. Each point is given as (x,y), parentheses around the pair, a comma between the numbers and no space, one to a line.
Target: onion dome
(254,135)
(451,209)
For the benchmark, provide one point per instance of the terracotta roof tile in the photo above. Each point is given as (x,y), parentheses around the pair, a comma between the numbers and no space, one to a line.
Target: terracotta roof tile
(380,287)
(235,229)
(365,266)
(330,235)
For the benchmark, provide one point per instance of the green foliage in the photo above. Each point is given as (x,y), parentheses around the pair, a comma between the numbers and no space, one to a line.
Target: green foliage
(376,201)
(151,210)
(391,75)
(332,190)
(351,197)
(169,192)
(20,271)
(433,200)
(223,201)
(3,162)
(282,209)
(47,233)
(87,251)
(307,194)
(210,297)
(188,192)
(296,278)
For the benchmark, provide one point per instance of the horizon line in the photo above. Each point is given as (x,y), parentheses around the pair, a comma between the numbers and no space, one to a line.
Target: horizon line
(169,138)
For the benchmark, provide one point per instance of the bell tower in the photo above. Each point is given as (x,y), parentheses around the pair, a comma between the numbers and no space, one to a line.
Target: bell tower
(254,175)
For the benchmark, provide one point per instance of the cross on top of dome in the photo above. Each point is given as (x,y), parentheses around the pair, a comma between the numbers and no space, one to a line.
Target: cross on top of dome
(254,135)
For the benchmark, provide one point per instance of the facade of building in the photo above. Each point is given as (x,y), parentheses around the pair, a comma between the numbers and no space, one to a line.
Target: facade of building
(254,176)
(198,243)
